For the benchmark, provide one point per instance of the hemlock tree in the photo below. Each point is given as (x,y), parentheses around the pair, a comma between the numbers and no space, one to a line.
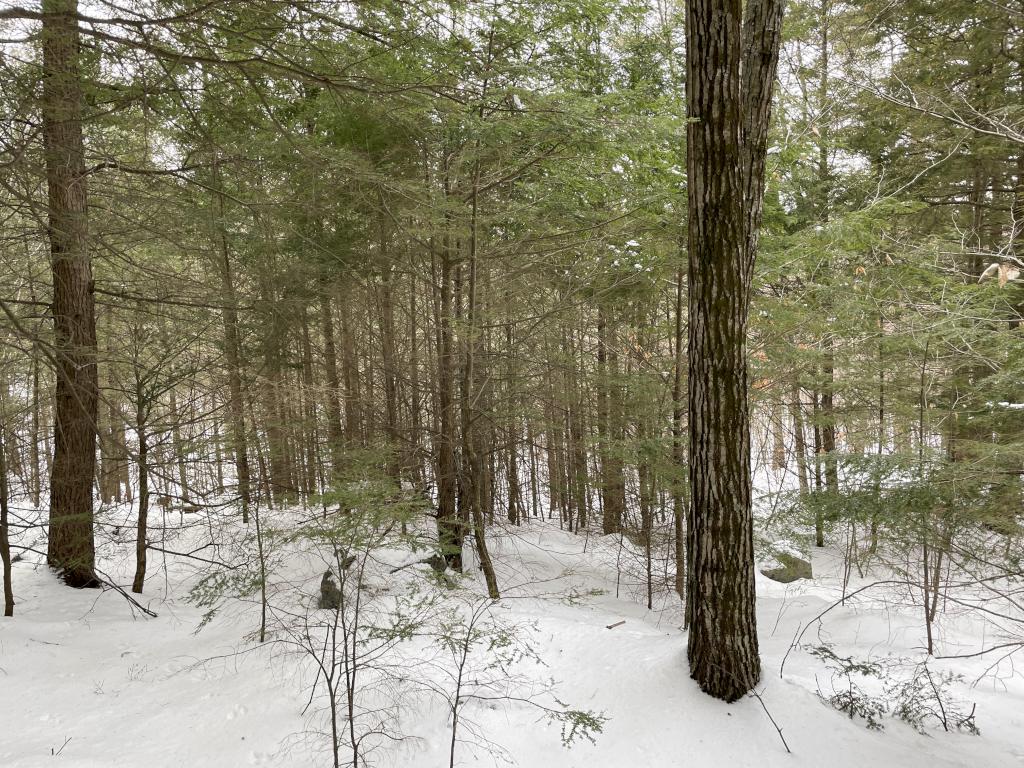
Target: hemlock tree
(70,549)
(730,73)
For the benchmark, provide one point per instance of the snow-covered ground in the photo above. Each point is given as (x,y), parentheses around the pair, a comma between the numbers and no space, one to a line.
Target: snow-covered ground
(85,683)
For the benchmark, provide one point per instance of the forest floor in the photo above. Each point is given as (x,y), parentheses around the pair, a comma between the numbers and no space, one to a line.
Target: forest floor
(87,682)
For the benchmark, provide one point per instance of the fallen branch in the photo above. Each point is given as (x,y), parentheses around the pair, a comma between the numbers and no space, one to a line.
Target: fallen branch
(55,753)
(192,557)
(760,701)
(1017,645)
(108,582)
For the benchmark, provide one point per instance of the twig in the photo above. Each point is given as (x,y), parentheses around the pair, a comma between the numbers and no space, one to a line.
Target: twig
(836,604)
(109,583)
(753,692)
(192,557)
(760,701)
(1017,645)
(792,645)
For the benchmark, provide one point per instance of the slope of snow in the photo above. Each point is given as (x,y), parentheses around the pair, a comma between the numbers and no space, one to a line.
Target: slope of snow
(85,683)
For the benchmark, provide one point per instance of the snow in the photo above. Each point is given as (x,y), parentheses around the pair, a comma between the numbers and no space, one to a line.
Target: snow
(82,676)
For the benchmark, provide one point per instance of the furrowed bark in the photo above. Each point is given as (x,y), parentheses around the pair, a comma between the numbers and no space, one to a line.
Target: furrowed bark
(70,549)
(728,107)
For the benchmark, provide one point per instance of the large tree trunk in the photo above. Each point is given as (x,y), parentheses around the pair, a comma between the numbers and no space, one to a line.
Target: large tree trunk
(726,140)
(70,549)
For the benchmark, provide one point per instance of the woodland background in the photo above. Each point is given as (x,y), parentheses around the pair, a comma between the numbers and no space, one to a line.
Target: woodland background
(439,250)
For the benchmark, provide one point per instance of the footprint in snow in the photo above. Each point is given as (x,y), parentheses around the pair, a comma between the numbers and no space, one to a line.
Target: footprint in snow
(238,711)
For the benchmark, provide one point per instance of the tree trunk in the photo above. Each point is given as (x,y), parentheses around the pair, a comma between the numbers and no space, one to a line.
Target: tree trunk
(70,549)
(415,465)
(143,521)
(109,469)
(449,528)
(232,354)
(36,477)
(553,451)
(335,436)
(828,424)
(576,451)
(218,447)
(531,442)
(646,481)
(350,375)
(5,542)
(180,451)
(275,403)
(778,425)
(387,332)
(678,445)
(473,397)
(726,141)
(121,479)
(613,484)
(796,408)
(309,432)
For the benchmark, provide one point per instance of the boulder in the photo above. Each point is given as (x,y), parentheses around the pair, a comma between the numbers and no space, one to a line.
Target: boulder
(791,569)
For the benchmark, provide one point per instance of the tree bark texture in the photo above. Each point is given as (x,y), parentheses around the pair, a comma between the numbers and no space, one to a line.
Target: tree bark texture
(728,107)
(70,549)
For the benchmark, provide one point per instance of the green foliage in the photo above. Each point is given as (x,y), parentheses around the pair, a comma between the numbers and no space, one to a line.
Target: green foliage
(484,653)
(223,582)
(921,700)
(578,724)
